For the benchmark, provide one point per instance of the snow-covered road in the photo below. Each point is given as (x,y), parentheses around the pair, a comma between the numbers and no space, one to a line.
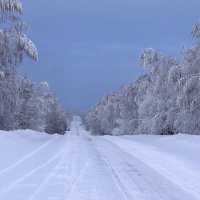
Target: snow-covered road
(79,166)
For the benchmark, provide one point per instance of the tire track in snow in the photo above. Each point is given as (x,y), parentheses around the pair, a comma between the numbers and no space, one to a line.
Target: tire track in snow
(75,182)
(114,176)
(179,173)
(92,178)
(78,176)
(119,181)
(129,171)
(20,161)
(51,174)
(27,175)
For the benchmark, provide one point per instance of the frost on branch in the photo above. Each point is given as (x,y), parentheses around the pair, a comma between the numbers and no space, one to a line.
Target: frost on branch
(2,75)
(14,42)
(44,85)
(196,30)
(11,6)
(28,47)
(12,47)
(174,74)
(191,85)
(149,56)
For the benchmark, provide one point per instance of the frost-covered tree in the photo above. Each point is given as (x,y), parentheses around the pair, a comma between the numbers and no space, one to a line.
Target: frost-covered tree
(33,106)
(23,104)
(56,118)
(14,42)
(9,99)
(13,45)
(188,101)
(196,30)
(166,101)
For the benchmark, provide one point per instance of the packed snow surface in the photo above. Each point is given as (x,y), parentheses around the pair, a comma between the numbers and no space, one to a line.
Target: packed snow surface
(78,166)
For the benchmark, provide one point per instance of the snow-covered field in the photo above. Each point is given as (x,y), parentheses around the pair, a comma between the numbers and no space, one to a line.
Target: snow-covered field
(77,166)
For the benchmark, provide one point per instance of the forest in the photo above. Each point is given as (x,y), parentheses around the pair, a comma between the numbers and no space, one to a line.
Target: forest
(23,103)
(166,101)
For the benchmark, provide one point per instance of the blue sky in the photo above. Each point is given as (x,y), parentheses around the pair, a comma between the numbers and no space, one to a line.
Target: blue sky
(90,47)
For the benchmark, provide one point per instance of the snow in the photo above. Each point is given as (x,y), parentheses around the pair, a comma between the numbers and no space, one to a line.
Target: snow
(174,157)
(78,166)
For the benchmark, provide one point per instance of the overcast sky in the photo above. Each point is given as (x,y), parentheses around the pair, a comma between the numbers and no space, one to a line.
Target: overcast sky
(90,47)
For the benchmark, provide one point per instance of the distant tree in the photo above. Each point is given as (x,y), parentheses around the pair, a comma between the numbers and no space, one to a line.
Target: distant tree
(56,119)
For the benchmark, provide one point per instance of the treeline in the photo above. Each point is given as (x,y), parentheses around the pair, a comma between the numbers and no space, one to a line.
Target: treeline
(166,101)
(23,104)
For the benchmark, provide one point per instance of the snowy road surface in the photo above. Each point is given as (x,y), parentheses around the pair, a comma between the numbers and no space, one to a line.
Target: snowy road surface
(77,166)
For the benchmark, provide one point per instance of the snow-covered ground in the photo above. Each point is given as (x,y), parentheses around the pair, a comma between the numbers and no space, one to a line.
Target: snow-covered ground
(78,166)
